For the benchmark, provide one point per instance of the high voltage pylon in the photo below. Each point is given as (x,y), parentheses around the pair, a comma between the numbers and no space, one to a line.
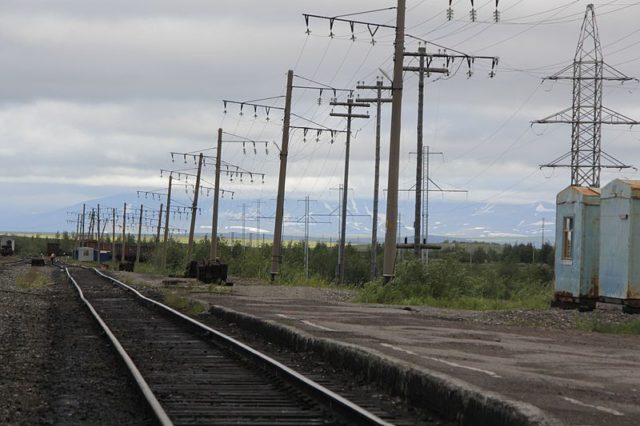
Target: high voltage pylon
(586,115)
(421,242)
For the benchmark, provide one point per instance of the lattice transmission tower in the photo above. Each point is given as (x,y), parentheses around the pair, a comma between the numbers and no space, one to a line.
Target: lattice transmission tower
(587,114)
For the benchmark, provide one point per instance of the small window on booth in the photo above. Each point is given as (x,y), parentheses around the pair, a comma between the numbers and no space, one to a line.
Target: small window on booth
(567,237)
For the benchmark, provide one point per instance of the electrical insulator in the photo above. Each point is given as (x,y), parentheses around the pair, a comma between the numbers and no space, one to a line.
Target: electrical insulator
(473,14)
(449,15)
(496,16)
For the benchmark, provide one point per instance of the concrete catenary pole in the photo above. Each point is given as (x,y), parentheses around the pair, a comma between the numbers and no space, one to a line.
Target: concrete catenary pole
(394,148)
(194,209)
(276,252)
(213,253)
(165,245)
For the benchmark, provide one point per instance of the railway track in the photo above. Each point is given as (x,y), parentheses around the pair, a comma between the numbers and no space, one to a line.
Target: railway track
(191,374)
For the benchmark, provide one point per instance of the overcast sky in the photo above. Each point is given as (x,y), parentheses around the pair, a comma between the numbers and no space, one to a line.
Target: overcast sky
(95,94)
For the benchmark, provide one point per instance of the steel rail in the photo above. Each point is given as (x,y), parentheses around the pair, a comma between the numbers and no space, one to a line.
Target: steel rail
(151,399)
(345,407)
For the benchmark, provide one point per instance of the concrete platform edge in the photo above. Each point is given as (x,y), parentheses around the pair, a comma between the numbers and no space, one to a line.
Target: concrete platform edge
(449,397)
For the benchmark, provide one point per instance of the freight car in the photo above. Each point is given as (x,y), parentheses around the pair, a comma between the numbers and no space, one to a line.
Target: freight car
(7,246)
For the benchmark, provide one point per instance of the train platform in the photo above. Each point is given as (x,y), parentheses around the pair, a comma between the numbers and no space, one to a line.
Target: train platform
(575,377)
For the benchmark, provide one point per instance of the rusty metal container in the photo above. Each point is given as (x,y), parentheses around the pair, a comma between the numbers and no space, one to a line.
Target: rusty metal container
(620,243)
(577,246)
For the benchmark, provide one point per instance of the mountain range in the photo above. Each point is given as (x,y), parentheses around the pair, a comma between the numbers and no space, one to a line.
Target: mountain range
(491,222)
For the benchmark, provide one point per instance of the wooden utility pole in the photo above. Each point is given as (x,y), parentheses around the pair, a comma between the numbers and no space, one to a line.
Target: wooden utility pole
(82,232)
(113,234)
(244,223)
(378,100)
(139,234)
(213,253)
(124,233)
(194,209)
(306,237)
(98,242)
(421,69)
(165,244)
(276,253)
(159,226)
(349,115)
(394,148)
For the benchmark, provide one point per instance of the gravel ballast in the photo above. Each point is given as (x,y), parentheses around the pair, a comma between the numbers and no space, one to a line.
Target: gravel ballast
(56,367)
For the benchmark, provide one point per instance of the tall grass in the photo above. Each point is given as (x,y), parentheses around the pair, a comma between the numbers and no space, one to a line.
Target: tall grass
(449,284)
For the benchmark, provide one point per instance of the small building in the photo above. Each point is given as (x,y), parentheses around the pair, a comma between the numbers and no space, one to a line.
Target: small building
(620,244)
(85,254)
(577,246)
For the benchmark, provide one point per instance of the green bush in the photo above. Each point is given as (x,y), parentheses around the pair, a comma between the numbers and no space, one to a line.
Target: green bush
(451,284)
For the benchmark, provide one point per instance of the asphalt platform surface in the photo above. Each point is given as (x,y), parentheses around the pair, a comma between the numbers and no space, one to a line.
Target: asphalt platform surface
(577,377)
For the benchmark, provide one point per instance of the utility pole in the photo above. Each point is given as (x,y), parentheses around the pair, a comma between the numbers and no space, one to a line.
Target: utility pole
(394,147)
(77,229)
(244,216)
(99,261)
(258,213)
(306,237)
(194,209)
(586,115)
(159,226)
(124,233)
(213,253)
(82,233)
(139,234)
(378,100)
(165,245)
(349,115)
(421,69)
(113,234)
(276,253)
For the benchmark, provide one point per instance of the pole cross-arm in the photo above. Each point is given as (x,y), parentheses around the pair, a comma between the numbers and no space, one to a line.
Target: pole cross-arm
(339,114)
(427,70)
(610,116)
(564,116)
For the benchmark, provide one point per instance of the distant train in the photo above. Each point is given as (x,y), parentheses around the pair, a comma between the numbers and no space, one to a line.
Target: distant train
(7,246)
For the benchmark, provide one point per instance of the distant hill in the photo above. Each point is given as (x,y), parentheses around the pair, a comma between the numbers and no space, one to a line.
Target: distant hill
(448,220)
